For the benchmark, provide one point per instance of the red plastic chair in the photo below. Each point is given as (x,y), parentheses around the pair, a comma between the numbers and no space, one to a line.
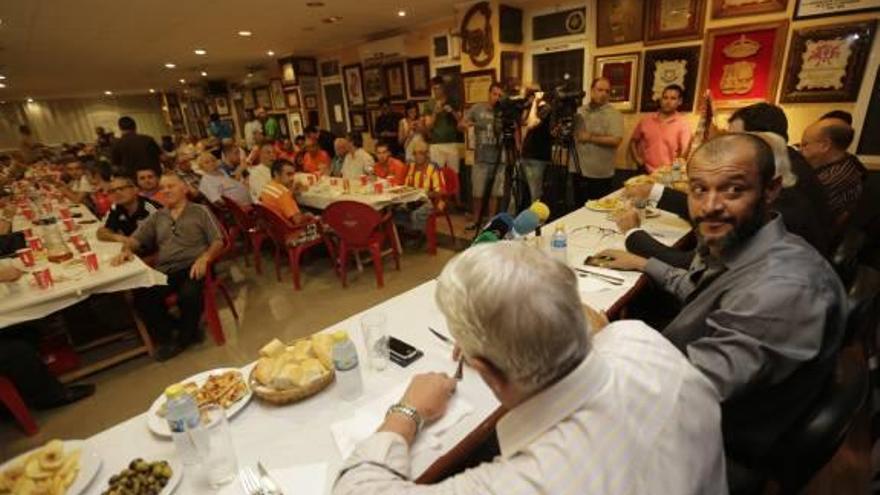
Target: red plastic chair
(246,220)
(12,399)
(282,232)
(450,185)
(360,228)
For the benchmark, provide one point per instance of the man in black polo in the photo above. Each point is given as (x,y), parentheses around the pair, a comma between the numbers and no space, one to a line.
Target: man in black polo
(128,211)
(134,151)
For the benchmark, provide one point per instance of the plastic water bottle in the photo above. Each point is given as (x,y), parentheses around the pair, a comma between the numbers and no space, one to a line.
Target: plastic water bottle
(559,244)
(345,361)
(182,414)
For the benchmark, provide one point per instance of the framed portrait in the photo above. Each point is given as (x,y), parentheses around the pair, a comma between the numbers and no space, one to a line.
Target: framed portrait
(221,104)
(295,122)
(305,66)
(276,90)
(869,145)
(263,98)
(358,119)
(374,114)
(311,102)
(395,80)
(282,125)
(354,84)
(476,85)
(374,84)
(736,8)
(827,63)
(511,70)
(419,77)
(623,72)
(247,99)
(666,66)
(742,63)
(288,71)
(674,20)
(811,9)
(329,68)
(623,22)
(292,98)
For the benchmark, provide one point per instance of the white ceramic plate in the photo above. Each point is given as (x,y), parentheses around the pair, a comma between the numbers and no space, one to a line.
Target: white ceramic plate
(89,465)
(176,476)
(158,425)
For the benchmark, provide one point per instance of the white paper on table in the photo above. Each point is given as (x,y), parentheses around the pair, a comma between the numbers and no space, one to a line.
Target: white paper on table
(592,284)
(349,432)
(306,479)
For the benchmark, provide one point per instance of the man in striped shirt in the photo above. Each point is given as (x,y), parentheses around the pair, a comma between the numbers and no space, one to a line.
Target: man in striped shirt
(424,175)
(618,412)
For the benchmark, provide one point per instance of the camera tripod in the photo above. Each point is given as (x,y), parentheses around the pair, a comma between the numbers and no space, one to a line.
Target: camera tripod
(515,187)
(559,189)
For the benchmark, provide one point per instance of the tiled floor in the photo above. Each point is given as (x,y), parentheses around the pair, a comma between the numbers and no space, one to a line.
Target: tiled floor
(268,309)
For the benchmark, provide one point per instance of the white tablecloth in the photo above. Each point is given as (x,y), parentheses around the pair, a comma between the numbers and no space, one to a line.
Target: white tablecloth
(321,195)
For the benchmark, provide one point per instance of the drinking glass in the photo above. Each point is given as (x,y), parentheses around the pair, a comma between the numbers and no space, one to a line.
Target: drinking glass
(375,334)
(213,442)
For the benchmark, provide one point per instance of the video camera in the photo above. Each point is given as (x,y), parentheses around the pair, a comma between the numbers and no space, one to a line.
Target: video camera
(564,101)
(509,111)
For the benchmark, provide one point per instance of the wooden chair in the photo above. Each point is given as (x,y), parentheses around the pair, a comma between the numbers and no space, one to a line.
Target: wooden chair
(361,228)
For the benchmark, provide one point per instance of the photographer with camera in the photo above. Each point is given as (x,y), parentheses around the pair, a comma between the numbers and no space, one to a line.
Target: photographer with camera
(487,153)
(537,144)
(598,133)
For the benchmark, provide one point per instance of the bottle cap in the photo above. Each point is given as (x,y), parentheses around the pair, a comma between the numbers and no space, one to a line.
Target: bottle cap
(340,336)
(173,391)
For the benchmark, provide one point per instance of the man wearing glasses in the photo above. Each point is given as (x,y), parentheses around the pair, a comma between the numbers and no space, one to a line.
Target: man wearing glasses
(128,211)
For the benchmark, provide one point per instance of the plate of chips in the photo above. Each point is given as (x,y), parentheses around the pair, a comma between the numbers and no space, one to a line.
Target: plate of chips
(225,387)
(606,204)
(59,467)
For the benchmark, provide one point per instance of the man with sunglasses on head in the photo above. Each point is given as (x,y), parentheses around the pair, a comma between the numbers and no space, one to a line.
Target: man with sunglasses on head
(128,211)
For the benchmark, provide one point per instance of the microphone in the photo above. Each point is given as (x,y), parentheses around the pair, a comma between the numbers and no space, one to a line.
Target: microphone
(485,237)
(540,209)
(500,224)
(525,223)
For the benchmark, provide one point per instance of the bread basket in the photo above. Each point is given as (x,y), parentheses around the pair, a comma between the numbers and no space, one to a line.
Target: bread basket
(290,395)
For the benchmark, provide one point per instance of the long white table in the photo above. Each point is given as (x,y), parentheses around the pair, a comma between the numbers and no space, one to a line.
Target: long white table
(321,195)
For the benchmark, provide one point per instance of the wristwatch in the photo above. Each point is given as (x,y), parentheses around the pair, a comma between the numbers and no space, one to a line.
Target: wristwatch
(409,412)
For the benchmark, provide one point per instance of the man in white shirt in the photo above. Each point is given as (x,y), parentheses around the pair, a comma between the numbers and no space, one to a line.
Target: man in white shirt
(260,174)
(215,183)
(252,129)
(79,187)
(357,161)
(622,412)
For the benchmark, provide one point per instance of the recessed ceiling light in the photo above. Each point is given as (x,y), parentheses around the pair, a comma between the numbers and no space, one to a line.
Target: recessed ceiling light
(2,102)
(333,19)
(108,93)
(204,74)
(152,90)
(30,100)
(199,51)
(245,33)
(182,81)
(2,77)
(250,74)
(270,53)
(2,86)
(401,13)
(170,65)
(314,4)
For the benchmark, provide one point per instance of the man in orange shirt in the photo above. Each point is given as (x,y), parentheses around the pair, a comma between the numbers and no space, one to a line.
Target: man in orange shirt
(313,159)
(277,195)
(389,167)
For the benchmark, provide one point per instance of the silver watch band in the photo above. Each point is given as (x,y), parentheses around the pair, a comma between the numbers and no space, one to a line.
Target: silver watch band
(408,411)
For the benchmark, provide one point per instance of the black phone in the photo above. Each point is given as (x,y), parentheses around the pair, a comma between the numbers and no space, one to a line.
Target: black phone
(597,260)
(401,353)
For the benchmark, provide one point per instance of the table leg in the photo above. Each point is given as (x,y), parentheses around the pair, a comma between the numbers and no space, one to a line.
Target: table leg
(139,324)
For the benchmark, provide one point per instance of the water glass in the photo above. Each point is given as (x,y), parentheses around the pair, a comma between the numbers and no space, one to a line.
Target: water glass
(375,334)
(213,441)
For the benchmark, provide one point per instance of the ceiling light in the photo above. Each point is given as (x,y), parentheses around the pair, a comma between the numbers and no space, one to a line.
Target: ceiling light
(2,77)
(30,100)
(270,53)
(108,93)
(182,81)
(401,13)
(250,74)
(2,102)
(152,90)
(204,74)
(199,51)
(2,86)
(245,33)
(170,65)
(314,4)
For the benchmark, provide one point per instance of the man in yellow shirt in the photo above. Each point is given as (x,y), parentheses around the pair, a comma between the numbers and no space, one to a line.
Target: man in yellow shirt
(426,176)
(277,195)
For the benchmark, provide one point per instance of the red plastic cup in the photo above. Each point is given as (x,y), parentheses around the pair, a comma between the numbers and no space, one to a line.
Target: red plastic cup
(79,243)
(90,259)
(69,224)
(35,243)
(334,182)
(378,187)
(364,180)
(64,212)
(44,278)
(26,255)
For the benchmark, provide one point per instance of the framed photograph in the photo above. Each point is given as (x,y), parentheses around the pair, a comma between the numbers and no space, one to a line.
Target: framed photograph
(354,84)
(743,63)
(247,99)
(624,22)
(292,98)
(736,8)
(358,119)
(282,125)
(674,20)
(374,114)
(396,80)
(305,66)
(811,9)
(295,122)
(288,71)
(263,97)
(419,77)
(666,66)
(374,84)
(276,90)
(222,105)
(869,145)
(476,85)
(311,102)
(330,68)
(623,72)
(827,63)
(511,70)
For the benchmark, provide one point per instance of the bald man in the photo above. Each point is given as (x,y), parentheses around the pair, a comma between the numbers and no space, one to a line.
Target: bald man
(842,175)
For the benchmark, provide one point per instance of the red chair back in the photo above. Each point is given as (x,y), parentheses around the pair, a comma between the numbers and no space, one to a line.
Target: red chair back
(278,228)
(239,213)
(353,222)
(450,181)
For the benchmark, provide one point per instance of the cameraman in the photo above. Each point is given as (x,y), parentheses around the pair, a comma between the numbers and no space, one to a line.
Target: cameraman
(487,152)
(537,143)
(598,133)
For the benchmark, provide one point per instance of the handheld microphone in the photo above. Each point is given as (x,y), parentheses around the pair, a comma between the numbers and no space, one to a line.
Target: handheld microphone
(500,224)
(485,237)
(540,209)
(525,223)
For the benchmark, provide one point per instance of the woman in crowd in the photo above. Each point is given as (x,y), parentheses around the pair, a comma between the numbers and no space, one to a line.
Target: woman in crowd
(411,129)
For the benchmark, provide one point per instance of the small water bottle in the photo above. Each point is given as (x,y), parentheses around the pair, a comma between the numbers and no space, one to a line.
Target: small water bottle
(559,244)
(182,415)
(345,361)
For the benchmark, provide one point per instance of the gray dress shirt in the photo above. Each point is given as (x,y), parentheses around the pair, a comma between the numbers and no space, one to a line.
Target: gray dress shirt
(179,241)
(597,162)
(763,324)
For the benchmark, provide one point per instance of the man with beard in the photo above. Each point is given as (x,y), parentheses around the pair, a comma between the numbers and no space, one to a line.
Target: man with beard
(764,313)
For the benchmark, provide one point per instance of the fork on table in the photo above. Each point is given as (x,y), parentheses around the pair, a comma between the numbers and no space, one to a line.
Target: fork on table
(251,482)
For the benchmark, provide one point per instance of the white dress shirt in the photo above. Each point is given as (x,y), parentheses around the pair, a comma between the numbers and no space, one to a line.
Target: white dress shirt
(356,164)
(258,177)
(633,418)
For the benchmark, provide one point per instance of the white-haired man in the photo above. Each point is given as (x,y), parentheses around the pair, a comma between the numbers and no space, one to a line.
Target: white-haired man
(621,412)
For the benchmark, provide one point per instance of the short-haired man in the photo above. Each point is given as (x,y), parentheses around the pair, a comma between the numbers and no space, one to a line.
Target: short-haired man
(427,176)
(232,159)
(356,161)
(441,121)
(128,211)
(487,152)
(253,130)
(148,185)
(386,127)
(277,195)
(78,186)
(187,238)
(617,412)
(260,174)
(663,137)
(598,133)
(764,314)
(313,159)
(389,167)
(215,183)
(271,129)
(133,151)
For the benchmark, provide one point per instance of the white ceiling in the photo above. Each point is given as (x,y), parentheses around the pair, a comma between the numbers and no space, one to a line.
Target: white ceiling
(64,48)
